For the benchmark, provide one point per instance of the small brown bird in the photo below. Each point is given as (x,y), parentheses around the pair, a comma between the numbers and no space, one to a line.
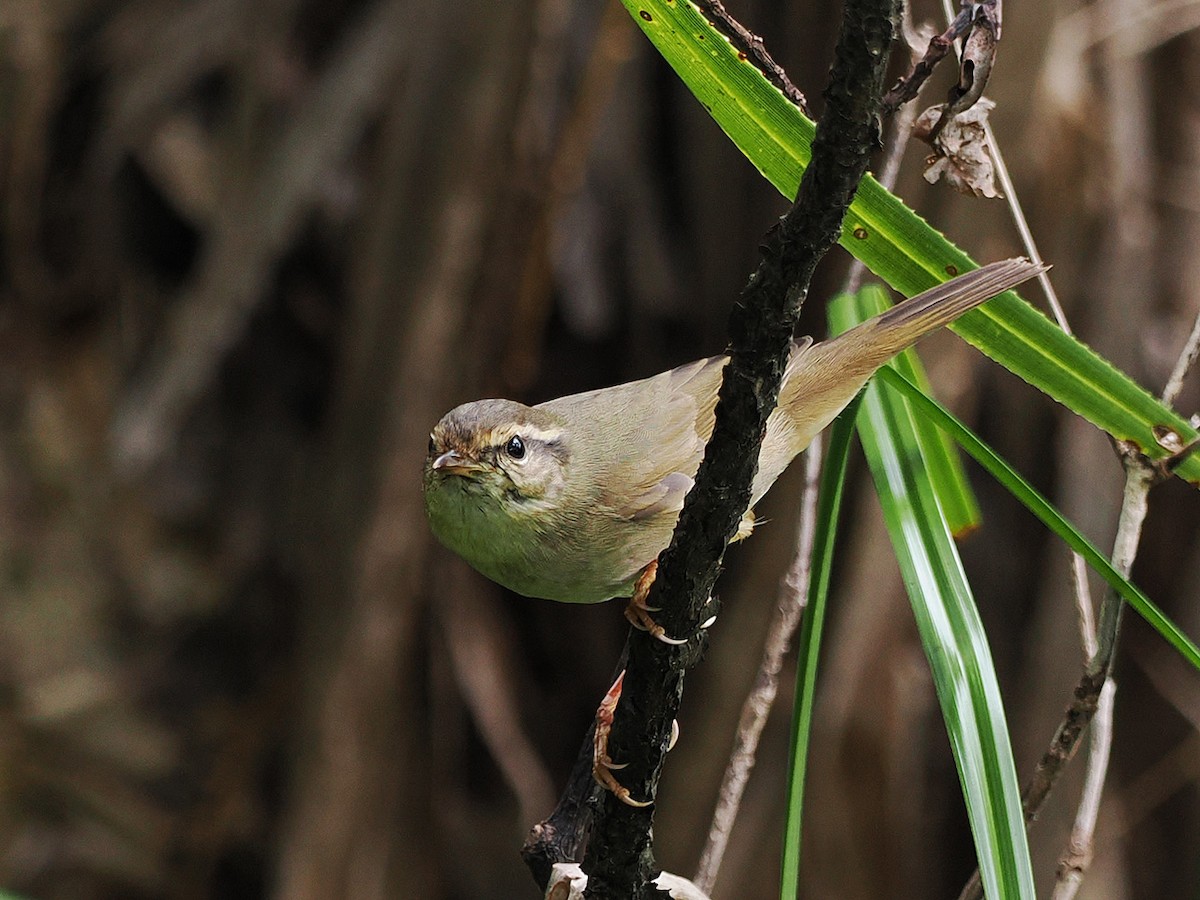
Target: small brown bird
(574,498)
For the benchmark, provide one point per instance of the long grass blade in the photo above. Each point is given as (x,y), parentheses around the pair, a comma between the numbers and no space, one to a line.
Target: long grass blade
(951,631)
(829,505)
(932,411)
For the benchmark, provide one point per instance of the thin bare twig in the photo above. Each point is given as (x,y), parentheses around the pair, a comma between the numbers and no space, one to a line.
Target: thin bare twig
(1083,603)
(752,46)
(1187,359)
(936,49)
(1018,214)
(1078,854)
(792,600)
(1139,478)
(1023,229)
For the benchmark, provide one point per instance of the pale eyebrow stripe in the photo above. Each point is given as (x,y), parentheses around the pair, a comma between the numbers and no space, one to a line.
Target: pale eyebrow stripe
(526,432)
(542,435)
(550,438)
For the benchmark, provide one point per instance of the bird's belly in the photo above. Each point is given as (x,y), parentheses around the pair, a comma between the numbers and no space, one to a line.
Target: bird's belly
(556,571)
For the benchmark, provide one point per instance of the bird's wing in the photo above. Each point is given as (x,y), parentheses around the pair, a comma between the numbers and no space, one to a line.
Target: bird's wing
(648,437)
(665,495)
(660,452)
(670,454)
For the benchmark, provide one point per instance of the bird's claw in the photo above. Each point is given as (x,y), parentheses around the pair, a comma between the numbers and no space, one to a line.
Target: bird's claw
(602,765)
(608,782)
(639,617)
(638,612)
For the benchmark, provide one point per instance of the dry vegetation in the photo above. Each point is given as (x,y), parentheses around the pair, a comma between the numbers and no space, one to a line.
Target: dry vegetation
(251,251)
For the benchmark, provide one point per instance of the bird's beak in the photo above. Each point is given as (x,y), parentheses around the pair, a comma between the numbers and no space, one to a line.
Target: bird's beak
(454,463)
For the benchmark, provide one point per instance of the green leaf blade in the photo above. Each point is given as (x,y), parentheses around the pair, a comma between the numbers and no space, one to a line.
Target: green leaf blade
(829,505)
(1045,512)
(897,244)
(952,635)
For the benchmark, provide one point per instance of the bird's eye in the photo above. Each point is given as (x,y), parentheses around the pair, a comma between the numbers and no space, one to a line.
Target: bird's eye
(432,445)
(515,447)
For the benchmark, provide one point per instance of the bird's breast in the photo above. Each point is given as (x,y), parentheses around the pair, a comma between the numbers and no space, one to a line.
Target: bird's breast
(531,548)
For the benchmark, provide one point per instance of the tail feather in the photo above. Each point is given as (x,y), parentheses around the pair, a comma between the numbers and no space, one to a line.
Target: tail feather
(907,322)
(821,379)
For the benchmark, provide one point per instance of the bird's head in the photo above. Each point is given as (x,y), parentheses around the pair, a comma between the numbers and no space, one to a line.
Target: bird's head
(497,452)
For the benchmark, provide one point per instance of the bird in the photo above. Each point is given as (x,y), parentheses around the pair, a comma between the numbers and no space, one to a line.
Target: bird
(573,499)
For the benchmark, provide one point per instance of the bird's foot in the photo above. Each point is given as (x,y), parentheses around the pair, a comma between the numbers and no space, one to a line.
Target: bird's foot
(602,764)
(638,612)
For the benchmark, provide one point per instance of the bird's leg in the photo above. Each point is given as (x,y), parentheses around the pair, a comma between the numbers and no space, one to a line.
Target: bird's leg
(638,613)
(602,764)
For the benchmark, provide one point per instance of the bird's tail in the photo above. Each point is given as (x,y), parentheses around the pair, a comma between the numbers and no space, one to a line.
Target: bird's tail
(867,346)
(909,321)
(821,379)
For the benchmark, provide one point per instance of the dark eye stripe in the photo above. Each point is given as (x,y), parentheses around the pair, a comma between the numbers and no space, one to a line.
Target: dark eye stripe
(559,450)
(519,446)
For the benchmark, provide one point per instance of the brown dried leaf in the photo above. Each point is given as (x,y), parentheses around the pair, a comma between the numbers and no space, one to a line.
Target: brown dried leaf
(961,153)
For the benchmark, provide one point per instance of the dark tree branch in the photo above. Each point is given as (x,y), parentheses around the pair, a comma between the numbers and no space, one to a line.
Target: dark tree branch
(978,24)
(561,837)
(620,860)
(751,46)
(908,86)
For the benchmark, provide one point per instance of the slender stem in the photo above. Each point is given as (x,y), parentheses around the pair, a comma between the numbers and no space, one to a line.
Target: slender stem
(755,52)
(1023,229)
(1078,854)
(1083,604)
(1014,205)
(1187,359)
(1138,479)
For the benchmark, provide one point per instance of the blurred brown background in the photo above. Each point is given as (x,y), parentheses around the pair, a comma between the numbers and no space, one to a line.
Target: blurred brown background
(250,252)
